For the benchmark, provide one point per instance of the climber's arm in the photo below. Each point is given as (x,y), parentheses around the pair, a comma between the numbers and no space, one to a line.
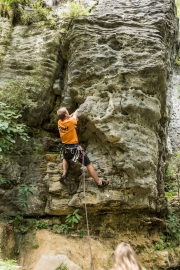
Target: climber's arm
(74,114)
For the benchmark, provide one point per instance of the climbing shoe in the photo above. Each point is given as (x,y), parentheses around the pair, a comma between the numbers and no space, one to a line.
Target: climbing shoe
(104,184)
(63,178)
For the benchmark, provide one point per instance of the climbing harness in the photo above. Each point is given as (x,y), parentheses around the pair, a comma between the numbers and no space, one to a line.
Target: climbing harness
(72,151)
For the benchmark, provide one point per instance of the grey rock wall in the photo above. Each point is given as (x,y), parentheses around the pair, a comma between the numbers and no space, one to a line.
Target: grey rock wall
(174,126)
(116,66)
(119,69)
(29,57)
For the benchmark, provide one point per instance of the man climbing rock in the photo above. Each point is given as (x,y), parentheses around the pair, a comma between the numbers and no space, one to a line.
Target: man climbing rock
(71,149)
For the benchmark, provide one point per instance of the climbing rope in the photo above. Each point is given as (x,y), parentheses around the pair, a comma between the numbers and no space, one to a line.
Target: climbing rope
(85,206)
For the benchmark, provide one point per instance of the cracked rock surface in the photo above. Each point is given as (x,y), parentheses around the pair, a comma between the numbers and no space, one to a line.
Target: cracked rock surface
(115,65)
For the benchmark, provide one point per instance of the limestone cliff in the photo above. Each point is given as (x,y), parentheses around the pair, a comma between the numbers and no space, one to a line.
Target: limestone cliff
(115,65)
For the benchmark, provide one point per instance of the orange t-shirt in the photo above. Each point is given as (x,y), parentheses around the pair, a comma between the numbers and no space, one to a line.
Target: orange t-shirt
(67,131)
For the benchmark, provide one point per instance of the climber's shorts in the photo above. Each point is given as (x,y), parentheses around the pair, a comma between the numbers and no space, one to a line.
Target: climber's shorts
(75,152)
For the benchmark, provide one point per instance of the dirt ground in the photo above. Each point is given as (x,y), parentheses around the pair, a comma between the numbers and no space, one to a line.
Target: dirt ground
(75,248)
(78,249)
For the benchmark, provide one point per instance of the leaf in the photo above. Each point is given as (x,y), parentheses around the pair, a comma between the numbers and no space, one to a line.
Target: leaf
(16,223)
(11,221)
(4,125)
(78,216)
(19,217)
(75,211)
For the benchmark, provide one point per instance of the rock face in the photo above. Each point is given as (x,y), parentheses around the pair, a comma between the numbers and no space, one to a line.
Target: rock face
(117,73)
(7,240)
(174,127)
(31,56)
(116,66)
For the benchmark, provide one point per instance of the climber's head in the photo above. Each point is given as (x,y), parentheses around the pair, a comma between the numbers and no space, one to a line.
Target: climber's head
(63,113)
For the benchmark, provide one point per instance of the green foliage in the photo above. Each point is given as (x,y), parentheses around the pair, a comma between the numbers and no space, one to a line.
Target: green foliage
(4,181)
(17,251)
(172,176)
(63,267)
(171,172)
(173,228)
(7,4)
(73,218)
(42,225)
(36,12)
(82,233)
(17,220)
(23,193)
(24,225)
(41,15)
(178,61)
(20,95)
(8,265)
(35,245)
(15,95)
(171,236)
(173,165)
(24,229)
(170,195)
(10,129)
(64,228)
(159,245)
(75,9)
(41,12)
(178,7)
(32,223)
(57,228)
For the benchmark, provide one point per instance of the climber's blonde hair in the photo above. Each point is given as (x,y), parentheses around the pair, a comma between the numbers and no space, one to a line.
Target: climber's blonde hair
(126,258)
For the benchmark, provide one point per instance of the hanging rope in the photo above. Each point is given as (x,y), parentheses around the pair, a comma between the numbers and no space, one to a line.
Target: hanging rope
(85,206)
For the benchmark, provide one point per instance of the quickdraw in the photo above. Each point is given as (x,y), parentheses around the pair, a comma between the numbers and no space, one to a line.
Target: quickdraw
(78,154)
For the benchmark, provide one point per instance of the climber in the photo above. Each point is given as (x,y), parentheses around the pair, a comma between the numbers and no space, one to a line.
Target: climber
(71,149)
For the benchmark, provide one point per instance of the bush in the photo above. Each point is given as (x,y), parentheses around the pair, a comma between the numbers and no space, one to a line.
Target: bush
(20,95)
(70,221)
(10,129)
(41,15)
(171,236)
(7,4)
(75,9)
(159,245)
(8,265)
(171,184)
